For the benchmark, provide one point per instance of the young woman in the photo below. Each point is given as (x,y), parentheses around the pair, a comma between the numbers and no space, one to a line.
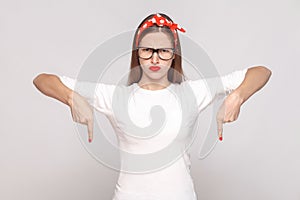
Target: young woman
(156,167)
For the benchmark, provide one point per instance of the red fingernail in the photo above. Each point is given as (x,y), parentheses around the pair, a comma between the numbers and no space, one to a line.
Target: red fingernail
(90,140)
(220,138)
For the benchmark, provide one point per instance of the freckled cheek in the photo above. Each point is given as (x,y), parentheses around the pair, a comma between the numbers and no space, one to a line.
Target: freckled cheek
(143,62)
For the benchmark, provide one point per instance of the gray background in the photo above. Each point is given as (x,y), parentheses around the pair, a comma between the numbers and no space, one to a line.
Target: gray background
(41,154)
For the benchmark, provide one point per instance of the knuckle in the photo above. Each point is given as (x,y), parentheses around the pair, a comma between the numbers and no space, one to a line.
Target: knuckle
(89,119)
(228,120)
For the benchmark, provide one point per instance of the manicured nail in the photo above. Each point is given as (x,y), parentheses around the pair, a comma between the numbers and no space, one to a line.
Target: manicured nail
(220,138)
(90,140)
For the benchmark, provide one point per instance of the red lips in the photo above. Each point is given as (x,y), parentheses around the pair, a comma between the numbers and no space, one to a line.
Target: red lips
(154,68)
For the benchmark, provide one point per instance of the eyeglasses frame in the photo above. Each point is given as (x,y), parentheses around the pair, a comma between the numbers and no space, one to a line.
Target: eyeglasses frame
(156,50)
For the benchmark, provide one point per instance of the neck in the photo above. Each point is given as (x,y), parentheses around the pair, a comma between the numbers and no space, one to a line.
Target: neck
(151,85)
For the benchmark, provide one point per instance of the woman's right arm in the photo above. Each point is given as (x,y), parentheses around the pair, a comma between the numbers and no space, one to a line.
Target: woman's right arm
(51,85)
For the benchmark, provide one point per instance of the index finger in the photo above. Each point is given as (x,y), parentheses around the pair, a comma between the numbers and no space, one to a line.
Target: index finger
(90,126)
(220,128)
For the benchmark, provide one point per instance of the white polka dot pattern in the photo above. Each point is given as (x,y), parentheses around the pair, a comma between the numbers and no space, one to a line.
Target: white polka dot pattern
(160,21)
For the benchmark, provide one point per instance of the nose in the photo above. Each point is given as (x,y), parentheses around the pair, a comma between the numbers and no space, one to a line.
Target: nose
(155,58)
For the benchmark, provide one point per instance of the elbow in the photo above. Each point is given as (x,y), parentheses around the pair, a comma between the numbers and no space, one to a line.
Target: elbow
(38,80)
(266,71)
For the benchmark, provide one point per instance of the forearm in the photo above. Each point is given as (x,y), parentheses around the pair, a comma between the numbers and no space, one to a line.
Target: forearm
(255,79)
(50,85)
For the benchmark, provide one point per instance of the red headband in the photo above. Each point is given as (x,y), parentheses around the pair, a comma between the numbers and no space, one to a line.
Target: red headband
(160,21)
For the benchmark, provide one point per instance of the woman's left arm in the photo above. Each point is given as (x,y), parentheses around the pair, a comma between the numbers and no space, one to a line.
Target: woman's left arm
(255,79)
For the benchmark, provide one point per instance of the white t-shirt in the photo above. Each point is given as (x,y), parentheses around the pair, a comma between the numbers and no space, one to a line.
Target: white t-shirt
(153,128)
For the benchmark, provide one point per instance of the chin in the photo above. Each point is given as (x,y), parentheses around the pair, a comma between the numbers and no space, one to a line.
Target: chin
(156,75)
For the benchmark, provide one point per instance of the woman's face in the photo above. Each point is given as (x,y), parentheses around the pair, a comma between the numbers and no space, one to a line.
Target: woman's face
(156,40)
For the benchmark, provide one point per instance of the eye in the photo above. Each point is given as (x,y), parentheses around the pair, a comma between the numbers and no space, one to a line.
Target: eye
(166,50)
(146,49)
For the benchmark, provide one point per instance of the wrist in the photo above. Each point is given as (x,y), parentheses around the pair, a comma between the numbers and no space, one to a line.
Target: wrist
(238,96)
(69,97)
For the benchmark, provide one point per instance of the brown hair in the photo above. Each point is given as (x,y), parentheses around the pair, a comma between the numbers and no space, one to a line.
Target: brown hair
(175,73)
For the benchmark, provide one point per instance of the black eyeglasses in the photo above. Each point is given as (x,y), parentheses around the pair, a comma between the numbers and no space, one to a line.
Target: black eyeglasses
(163,53)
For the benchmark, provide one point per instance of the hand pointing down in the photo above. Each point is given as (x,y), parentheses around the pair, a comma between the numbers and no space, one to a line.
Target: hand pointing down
(228,111)
(82,113)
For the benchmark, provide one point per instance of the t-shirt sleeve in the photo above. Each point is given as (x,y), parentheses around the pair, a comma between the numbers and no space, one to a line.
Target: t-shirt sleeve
(98,95)
(233,80)
(205,90)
